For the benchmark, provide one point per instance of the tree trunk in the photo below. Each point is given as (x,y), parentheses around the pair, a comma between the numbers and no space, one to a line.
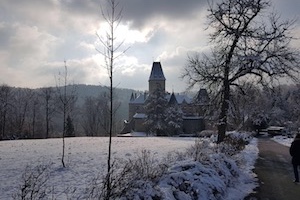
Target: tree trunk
(222,127)
(47,117)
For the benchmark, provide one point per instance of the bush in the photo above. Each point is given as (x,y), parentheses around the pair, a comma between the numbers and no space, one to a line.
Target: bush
(234,142)
(131,179)
(201,150)
(34,183)
(207,133)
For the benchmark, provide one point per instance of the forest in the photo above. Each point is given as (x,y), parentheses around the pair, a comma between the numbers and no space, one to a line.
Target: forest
(38,113)
(255,108)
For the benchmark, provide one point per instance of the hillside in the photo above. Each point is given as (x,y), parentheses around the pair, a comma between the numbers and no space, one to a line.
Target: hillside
(37,113)
(122,95)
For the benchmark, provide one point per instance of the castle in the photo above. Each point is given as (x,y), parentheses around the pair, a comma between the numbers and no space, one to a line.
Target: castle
(192,109)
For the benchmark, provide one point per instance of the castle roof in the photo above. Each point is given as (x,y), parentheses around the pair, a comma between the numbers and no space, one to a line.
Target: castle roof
(140,99)
(139,116)
(179,98)
(157,72)
(173,100)
(202,97)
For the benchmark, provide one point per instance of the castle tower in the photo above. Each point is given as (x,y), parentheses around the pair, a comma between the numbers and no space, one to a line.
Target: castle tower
(157,78)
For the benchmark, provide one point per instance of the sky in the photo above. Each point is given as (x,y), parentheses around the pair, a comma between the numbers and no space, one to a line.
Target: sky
(36,37)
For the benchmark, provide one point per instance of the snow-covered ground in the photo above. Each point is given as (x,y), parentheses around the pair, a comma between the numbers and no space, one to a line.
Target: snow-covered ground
(86,158)
(284,140)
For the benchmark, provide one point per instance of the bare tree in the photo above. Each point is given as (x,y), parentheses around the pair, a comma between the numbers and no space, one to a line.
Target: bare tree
(47,95)
(21,106)
(294,102)
(34,115)
(243,103)
(111,51)
(67,100)
(5,104)
(90,121)
(246,46)
(95,115)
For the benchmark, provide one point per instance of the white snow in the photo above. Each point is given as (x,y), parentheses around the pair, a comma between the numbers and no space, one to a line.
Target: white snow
(284,140)
(86,158)
(134,134)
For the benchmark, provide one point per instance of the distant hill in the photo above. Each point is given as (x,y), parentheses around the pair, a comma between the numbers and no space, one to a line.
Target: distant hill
(121,95)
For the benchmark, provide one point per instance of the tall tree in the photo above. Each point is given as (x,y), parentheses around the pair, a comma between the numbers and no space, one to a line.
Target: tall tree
(294,102)
(95,115)
(5,105)
(34,115)
(111,51)
(91,119)
(156,111)
(47,94)
(243,104)
(70,131)
(67,100)
(174,120)
(246,46)
(21,105)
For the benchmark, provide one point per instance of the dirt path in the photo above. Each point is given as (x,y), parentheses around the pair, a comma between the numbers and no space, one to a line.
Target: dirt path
(275,172)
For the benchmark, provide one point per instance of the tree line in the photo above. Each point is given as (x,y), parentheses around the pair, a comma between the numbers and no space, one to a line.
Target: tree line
(251,108)
(38,113)
(254,107)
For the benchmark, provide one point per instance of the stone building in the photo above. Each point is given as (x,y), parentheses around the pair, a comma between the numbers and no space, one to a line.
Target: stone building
(192,108)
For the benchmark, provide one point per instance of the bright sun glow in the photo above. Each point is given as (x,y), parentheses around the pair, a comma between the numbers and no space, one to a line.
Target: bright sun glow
(125,34)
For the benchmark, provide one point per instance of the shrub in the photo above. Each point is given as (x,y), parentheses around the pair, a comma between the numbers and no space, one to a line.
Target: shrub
(34,183)
(234,142)
(131,179)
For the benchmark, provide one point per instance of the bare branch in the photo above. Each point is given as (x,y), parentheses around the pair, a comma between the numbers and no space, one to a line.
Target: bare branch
(246,45)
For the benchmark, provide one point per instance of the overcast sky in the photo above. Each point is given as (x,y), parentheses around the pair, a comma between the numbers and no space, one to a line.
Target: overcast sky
(36,36)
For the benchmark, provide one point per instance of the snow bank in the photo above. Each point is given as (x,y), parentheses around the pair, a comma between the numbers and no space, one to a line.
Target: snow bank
(204,171)
(217,176)
(134,134)
(284,140)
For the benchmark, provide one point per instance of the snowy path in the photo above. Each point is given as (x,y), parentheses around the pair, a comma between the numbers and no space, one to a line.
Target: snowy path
(275,172)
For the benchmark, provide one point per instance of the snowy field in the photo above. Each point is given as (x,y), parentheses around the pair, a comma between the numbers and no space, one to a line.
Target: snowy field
(86,157)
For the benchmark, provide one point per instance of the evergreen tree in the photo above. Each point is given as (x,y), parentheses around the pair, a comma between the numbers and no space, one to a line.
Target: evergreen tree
(69,127)
(174,119)
(155,107)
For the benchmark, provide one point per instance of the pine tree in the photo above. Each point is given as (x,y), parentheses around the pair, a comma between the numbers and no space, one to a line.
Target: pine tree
(174,119)
(155,107)
(69,127)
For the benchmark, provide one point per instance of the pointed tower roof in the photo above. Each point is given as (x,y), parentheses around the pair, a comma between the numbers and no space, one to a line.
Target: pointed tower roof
(202,96)
(132,98)
(173,100)
(157,72)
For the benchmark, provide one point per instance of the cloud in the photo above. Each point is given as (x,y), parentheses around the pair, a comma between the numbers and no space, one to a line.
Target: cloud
(140,13)
(23,52)
(26,41)
(37,36)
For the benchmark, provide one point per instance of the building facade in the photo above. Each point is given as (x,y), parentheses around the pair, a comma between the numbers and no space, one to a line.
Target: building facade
(193,109)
